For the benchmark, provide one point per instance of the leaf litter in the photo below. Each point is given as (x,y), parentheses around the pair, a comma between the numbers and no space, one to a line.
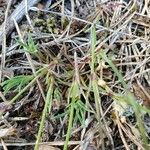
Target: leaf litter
(97,55)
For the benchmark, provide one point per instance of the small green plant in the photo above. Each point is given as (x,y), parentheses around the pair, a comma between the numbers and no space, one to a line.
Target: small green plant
(80,110)
(29,46)
(77,108)
(21,83)
(17,83)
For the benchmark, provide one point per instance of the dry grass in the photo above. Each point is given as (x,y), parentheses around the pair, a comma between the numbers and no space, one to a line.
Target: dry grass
(81,62)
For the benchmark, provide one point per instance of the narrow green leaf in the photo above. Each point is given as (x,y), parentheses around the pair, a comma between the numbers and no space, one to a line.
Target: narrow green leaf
(16,82)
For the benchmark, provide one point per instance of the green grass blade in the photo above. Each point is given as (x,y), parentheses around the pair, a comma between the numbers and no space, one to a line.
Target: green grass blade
(70,123)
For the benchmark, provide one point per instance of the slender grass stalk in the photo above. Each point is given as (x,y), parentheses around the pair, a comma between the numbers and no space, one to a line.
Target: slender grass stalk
(70,124)
(97,99)
(74,94)
(94,82)
(130,100)
(118,74)
(47,106)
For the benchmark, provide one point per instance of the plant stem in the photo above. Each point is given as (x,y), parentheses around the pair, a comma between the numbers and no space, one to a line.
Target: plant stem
(70,124)
(47,105)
